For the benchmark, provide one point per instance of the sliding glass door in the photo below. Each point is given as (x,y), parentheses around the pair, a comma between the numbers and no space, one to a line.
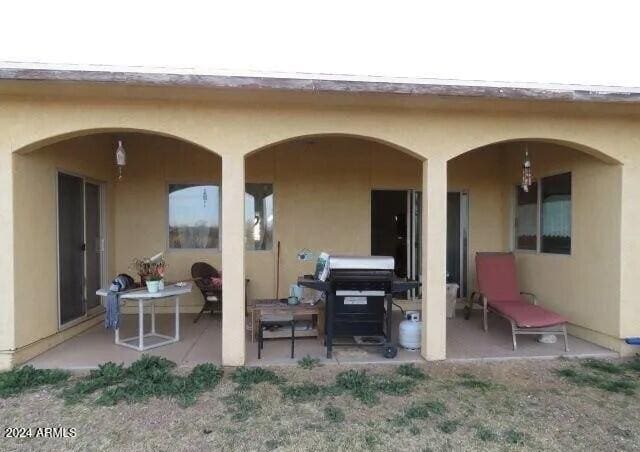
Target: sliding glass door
(80,246)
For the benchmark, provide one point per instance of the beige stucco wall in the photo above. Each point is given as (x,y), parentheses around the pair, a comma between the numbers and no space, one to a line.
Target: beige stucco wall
(235,124)
(322,200)
(583,286)
(141,198)
(35,179)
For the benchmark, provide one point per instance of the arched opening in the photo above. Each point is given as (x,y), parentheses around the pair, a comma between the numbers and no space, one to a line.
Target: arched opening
(325,193)
(564,231)
(81,225)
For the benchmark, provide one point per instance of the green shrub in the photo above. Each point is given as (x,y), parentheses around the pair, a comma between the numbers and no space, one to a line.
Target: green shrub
(246,377)
(21,379)
(149,376)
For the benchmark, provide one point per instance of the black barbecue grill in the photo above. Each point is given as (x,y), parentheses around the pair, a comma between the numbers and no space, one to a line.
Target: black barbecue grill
(359,292)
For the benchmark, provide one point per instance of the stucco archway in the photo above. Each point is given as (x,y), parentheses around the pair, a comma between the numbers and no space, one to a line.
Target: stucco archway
(135,215)
(115,131)
(323,187)
(580,280)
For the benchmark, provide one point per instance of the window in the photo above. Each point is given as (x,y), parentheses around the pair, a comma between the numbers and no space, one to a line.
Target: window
(194,216)
(543,216)
(556,214)
(527,218)
(258,215)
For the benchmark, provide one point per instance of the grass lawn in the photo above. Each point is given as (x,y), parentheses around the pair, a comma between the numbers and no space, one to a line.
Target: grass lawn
(523,405)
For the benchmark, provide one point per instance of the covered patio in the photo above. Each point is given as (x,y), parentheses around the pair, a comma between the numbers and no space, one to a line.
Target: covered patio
(465,342)
(328,193)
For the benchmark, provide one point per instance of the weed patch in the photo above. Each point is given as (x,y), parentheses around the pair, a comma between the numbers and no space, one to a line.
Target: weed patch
(606,383)
(148,377)
(366,388)
(359,385)
(411,371)
(470,381)
(19,380)
(241,407)
(246,377)
(603,366)
(394,386)
(334,414)
(515,437)
(304,392)
(309,363)
(634,364)
(485,433)
(424,409)
(449,426)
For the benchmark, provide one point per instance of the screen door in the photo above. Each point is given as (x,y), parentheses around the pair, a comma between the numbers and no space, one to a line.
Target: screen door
(80,250)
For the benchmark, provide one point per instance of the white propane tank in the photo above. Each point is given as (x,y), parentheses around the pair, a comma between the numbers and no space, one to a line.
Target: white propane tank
(410,331)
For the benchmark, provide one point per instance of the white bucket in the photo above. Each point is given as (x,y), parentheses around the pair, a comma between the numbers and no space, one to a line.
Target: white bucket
(452,297)
(152,286)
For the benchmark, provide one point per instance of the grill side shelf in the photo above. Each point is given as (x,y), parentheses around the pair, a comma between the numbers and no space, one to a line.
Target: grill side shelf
(316,284)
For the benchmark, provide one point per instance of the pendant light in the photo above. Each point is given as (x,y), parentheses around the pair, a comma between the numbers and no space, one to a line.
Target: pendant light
(121,158)
(527,179)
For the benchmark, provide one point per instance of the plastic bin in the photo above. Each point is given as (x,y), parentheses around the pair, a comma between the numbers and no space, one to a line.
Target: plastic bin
(452,297)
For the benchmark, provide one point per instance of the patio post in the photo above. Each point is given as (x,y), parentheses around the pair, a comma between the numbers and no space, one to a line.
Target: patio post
(7,333)
(434,248)
(233,280)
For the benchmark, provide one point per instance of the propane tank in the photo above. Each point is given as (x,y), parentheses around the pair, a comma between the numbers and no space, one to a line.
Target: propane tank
(410,331)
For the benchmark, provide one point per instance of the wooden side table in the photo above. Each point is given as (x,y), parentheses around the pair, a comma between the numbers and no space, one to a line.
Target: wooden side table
(272,307)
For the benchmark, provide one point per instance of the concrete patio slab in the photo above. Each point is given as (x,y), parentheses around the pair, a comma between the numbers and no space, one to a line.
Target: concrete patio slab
(201,342)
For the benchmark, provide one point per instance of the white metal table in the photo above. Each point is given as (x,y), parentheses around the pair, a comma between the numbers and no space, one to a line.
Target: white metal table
(144,297)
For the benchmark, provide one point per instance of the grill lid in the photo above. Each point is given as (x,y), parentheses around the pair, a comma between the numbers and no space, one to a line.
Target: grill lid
(361,263)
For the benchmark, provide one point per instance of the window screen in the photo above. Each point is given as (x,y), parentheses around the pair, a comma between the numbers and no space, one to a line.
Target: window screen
(556,214)
(526,221)
(258,217)
(194,216)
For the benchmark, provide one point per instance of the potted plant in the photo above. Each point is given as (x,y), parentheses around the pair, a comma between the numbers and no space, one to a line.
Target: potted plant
(150,270)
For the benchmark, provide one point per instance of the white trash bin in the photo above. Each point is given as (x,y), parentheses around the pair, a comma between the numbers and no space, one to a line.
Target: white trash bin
(452,297)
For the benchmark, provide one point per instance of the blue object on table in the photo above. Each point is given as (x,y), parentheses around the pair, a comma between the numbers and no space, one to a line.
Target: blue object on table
(121,283)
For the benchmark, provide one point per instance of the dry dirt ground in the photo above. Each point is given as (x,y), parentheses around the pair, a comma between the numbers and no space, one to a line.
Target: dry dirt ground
(525,406)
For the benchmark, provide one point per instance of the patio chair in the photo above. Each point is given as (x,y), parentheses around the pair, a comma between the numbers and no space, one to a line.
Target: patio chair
(209,282)
(498,292)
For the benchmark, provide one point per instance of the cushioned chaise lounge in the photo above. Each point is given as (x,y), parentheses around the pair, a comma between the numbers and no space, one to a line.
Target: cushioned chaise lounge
(498,292)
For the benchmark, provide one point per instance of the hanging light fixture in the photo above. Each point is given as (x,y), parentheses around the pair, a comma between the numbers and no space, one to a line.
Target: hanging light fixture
(121,158)
(527,179)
